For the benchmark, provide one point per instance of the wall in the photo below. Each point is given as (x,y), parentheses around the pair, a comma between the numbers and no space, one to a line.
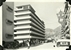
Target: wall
(8,28)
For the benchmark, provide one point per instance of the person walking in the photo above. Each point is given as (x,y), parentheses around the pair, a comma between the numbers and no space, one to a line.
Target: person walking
(28,44)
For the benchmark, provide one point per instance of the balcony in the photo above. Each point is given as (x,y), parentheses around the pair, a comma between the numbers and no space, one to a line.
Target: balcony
(25,7)
(22,37)
(37,37)
(22,18)
(35,25)
(23,12)
(33,28)
(35,33)
(22,32)
(22,27)
(22,22)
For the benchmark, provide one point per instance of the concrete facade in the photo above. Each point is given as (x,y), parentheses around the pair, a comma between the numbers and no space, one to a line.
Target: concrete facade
(27,24)
(7,19)
(21,25)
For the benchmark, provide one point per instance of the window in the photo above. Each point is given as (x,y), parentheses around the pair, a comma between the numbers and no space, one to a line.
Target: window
(15,35)
(15,21)
(9,22)
(15,25)
(15,31)
(19,7)
(9,36)
(9,9)
(25,7)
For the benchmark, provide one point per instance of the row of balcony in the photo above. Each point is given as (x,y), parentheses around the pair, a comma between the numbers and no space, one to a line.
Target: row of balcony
(27,24)
(26,37)
(26,27)
(31,13)
(18,19)
(24,7)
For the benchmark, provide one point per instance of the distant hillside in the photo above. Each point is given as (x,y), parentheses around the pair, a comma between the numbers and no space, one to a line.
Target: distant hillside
(57,31)
(53,33)
(49,32)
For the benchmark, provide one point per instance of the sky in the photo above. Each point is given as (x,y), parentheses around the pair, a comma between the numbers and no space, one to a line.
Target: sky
(46,11)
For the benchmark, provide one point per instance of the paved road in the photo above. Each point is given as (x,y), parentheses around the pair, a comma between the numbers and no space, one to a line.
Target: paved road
(48,46)
(45,46)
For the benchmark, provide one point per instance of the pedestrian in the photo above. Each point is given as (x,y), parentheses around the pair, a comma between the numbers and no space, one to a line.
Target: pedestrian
(54,43)
(28,44)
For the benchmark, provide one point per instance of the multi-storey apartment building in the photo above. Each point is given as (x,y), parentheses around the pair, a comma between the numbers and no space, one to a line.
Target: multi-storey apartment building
(7,23)
(64,20)
(7,19)
(27,25)
(21,25)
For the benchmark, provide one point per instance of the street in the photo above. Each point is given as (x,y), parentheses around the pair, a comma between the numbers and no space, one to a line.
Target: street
(45,46)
